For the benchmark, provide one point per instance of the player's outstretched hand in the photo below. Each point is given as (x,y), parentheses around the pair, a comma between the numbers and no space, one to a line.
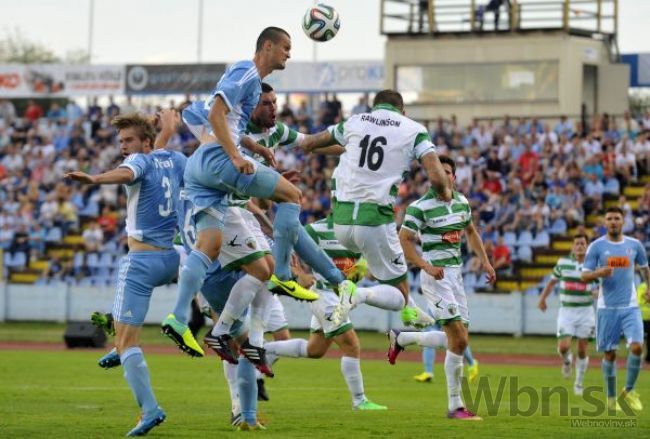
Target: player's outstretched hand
(269,157)
(605,271)
(170,120)
(243,165)
(437,272)
(292,176)
(490,273)
(81,177)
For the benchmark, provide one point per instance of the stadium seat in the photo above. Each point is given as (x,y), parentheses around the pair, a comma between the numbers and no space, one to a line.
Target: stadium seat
(525,239)
(510,239)
(559,227)
(542,239)
(525,253)
(54,234)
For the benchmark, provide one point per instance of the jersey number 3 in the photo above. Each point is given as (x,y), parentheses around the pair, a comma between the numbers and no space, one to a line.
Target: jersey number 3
(166,209)
(373,151)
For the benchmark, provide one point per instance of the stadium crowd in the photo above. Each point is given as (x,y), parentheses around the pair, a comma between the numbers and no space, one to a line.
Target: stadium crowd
(526,179)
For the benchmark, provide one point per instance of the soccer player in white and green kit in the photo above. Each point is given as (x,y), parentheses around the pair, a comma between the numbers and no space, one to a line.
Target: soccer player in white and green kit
(379,149)
(323,330)
(576,318)
(439,225)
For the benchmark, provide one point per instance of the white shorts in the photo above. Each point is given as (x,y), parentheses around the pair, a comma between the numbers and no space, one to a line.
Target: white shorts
(240,244)
(576,321)
(446,297)
(380,246)
(322,310)
(275,318)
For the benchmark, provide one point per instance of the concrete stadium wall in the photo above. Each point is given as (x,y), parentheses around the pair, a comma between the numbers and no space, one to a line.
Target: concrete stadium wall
(489,313)
(570,52)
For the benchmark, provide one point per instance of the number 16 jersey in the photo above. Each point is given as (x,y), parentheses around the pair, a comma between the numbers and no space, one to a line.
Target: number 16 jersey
(379,148)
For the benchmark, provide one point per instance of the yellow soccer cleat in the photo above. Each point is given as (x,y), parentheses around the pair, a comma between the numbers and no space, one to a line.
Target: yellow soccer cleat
(244,426)
(472,372)
(632,399)
(358,271)
(424,377)
(612,405)
(292,289)
(182,336)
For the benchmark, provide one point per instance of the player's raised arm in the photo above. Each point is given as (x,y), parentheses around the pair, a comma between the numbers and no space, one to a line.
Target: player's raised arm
(317,142)
(121,175)
(436,174)
(169,120)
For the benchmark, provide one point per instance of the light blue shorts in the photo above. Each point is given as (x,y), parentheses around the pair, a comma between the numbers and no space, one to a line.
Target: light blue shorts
(210,176)
(612,322)
(216,290)
(139,273)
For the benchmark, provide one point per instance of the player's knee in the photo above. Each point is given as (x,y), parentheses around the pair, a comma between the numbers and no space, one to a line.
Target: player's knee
(316,351)
(636,349)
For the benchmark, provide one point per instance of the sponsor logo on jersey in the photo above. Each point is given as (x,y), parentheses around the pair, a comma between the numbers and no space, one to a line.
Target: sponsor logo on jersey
(618,262)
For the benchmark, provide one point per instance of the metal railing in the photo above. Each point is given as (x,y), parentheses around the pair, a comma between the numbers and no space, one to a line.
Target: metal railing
(460,16)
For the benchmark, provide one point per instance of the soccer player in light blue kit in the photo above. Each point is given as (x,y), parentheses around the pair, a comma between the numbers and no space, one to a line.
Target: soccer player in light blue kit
(218,168)
(152,181)
(611,260)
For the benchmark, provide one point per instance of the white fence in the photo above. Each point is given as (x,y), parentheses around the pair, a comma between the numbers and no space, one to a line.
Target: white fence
(514,313)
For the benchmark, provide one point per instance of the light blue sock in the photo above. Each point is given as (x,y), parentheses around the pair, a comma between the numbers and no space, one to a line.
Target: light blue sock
(469,358)
(136,373)
(609,373)
(247,385)
(428,358)
(190,282)
(633,368)
(286,227)
(316,258)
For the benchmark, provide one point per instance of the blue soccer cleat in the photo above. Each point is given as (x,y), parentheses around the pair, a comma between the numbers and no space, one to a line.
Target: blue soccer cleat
(146,423)
(110,360)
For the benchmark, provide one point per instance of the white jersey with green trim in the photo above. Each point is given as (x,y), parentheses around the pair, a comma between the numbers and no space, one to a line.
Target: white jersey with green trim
(573,290)
(322,232)
(278,135)
(379,149)
(439,224)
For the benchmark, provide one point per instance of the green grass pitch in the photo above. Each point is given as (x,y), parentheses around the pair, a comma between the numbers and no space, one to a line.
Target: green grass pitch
(64,394)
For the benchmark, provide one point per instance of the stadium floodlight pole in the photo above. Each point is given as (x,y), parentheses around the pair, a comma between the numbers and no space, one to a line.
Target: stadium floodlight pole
(199,36)
(91,20)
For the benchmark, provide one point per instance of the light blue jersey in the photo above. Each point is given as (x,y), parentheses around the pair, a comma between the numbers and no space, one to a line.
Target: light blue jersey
(618,290)
(152,196)
(240,88)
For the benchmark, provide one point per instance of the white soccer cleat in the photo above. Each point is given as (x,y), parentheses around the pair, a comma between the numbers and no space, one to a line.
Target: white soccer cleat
(342,310)
(577,389)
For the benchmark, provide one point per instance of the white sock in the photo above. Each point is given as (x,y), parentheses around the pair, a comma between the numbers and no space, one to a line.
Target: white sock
(230,372)
(351,370)
(241,295)
(566,357)
(431,339)
(454,373)
(296,348)
(581,368)
(380,296)
(258,310)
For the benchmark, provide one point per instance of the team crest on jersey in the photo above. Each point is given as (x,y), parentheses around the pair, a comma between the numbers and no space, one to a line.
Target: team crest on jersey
(251,243)
(451,308)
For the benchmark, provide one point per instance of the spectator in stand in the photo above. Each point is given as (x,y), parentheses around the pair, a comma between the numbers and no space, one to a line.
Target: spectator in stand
(108,221)
(564,127)
(502,258)
(93,237)
(56,112)
(113,109)
(362,106)
(33,112)
(20,244)
(7,113)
